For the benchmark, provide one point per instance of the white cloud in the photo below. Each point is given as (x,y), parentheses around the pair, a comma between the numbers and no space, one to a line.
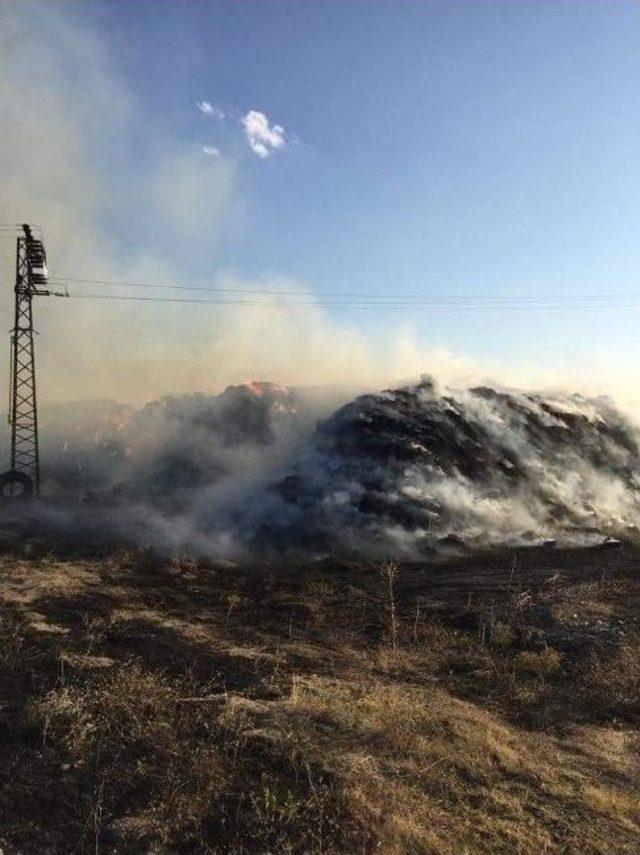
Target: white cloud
(210,109)
(211,150)
(263,138)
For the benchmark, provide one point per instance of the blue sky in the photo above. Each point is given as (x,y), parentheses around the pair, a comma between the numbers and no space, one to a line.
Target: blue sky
(483,147)
(442,147)
(465,142)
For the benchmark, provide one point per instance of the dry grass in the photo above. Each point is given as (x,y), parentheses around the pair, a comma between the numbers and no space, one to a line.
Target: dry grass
(167,707)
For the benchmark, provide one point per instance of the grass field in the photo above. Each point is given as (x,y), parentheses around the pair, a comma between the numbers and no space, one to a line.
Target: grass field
(482,705)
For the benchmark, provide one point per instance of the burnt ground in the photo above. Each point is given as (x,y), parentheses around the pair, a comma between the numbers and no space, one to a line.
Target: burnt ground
(489,703)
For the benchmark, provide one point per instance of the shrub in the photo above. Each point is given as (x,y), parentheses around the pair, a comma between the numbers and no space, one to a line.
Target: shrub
(541,664)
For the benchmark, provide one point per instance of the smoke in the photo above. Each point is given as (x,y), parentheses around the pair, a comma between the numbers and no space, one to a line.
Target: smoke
(121,196)
(405,472)
(77,151)
(177,473)
(70,127)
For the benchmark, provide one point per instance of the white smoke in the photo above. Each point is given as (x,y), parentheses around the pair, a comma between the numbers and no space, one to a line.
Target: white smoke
(70,126)
(394,473)
(80,154)
(405,470)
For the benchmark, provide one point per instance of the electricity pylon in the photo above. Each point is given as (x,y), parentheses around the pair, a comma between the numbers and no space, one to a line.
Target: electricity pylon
(23,476)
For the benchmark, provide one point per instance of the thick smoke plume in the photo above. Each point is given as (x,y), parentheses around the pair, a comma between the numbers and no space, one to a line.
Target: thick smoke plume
(69,124)
(413,469)
(78,149)
(181,464)
(404,472)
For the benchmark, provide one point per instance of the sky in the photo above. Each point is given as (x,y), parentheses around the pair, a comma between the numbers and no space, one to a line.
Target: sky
(443,148)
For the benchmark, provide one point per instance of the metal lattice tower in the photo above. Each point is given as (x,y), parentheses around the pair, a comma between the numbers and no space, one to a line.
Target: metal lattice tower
(31,274)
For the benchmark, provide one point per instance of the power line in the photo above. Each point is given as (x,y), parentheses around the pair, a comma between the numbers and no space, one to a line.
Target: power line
(363,306)
(368,297)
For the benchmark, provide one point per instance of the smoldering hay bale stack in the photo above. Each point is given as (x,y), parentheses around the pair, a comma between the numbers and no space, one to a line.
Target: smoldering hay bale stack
(401,472)
(412,469)
(166,452)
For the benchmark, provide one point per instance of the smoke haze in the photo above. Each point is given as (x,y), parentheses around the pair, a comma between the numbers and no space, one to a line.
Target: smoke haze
(68,125)
(77,148)
(264,468)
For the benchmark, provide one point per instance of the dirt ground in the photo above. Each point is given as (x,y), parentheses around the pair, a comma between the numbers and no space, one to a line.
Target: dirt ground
(482,704)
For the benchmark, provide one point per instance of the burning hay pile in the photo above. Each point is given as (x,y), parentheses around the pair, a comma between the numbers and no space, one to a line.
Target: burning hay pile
(413,468)
(405,471)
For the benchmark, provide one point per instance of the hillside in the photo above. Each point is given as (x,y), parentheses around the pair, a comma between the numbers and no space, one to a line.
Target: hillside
(484,705)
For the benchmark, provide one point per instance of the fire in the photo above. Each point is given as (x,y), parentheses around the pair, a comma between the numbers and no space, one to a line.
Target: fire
(262,387)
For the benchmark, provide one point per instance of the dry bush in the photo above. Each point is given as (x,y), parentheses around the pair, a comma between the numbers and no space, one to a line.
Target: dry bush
(389,574)
(125,738)
(153,772)
(610,684)
(546,662)
(502,634)
(318,595)
(13,650)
